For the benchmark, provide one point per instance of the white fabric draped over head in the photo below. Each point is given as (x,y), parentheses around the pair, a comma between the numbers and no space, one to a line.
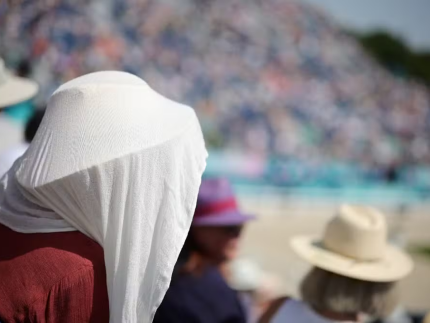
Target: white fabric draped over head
(122,164)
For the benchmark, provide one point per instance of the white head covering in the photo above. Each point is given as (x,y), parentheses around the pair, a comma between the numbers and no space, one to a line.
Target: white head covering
(122,164)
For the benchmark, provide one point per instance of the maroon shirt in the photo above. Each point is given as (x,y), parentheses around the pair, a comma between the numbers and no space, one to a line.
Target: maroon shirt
(52,277)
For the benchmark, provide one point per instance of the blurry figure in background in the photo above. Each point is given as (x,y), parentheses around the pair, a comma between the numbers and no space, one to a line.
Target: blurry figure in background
(8,156)
(24,69)
(275,78)
(199,291)
(256,288)
(354,275)
(14,90)
(392,174)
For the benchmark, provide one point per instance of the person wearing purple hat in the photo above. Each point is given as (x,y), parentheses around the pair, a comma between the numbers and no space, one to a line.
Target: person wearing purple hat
(199,292)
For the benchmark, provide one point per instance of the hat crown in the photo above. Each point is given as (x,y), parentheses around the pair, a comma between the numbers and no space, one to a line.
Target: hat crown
(213,190)
(215,196)
(357,232)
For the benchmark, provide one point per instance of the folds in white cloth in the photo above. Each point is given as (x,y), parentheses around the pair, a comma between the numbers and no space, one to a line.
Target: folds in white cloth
(122,164)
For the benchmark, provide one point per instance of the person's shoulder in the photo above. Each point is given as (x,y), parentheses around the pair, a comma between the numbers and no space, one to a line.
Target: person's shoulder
(274,309)
(77,297)
(207,286)
(194,297)
(291,310)
(74,249)
(60,250)
(62,257)
(45,262)
(43,259)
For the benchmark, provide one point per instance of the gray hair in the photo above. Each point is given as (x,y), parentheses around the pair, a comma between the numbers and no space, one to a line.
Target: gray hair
(326,291)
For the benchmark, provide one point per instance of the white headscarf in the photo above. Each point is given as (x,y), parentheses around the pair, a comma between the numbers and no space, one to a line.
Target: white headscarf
(122,164)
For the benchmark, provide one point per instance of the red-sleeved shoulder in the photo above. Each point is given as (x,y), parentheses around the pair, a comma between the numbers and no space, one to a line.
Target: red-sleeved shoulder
(72,300)
(51,277)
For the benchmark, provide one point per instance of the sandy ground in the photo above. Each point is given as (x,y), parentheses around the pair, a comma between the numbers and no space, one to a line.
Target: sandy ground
(266,241)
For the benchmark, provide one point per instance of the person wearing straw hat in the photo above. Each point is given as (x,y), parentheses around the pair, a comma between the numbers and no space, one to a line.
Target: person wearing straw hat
(94,215)
(354,271)
(199,291)
(13,90)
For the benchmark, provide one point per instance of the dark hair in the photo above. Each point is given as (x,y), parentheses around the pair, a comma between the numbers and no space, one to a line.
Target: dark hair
(24,68)
(33,125)
(189,247)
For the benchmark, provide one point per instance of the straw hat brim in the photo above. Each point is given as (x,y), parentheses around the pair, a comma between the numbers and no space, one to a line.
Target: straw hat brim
(16,90)
(394,266)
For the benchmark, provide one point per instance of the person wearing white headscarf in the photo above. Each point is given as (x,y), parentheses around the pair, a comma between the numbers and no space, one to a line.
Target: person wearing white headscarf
(115,163)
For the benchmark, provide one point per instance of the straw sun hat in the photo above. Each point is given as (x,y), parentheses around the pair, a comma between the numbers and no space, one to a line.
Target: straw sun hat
(14,89)
(355,245)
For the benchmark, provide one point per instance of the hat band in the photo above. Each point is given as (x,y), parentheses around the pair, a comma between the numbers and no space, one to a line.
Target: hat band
(216,207)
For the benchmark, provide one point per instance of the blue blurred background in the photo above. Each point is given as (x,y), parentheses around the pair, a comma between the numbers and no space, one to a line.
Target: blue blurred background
(294,97)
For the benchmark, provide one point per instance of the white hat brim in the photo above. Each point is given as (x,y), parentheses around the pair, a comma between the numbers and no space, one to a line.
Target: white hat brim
(394,266)
(16,90)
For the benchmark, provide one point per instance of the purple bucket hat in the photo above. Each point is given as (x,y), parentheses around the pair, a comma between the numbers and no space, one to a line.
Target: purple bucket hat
(217,206)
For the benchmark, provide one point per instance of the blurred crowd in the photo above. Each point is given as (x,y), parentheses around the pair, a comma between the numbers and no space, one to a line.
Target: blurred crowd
(107,218)
(270,77)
